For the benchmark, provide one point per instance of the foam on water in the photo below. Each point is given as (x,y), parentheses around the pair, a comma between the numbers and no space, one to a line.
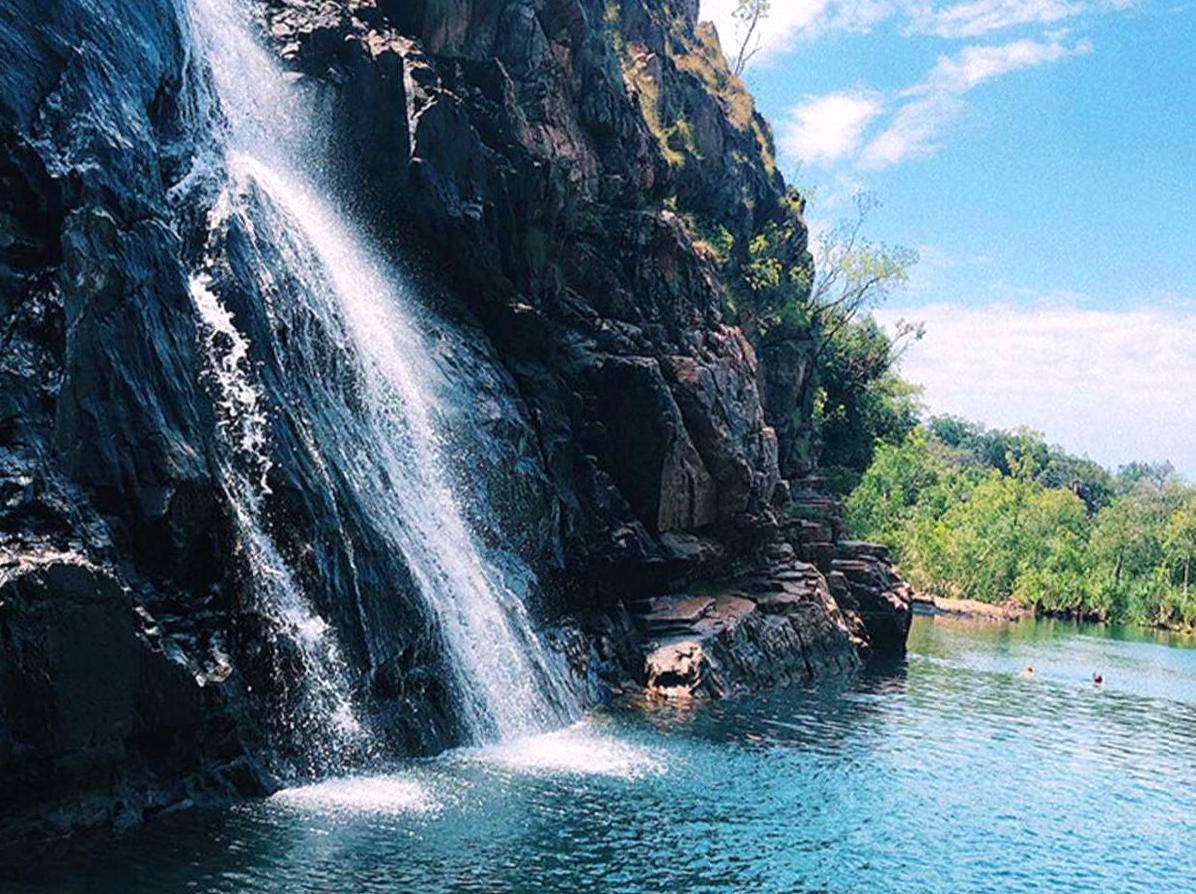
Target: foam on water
(389,795)
(579,750)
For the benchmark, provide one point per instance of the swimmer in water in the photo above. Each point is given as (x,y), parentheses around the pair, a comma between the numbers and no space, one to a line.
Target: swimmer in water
(1028,671)
(1098,680)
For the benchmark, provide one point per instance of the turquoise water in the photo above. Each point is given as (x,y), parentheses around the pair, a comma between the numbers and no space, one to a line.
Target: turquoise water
(947,773)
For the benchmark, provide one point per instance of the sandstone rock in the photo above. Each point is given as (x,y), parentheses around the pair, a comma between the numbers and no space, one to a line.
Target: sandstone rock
(675,669)
(773,626)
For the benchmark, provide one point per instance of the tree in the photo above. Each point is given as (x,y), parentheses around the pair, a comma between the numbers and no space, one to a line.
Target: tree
(1159,474)
(989,514)
(852,273)
(1125,549)
(894,487)
(795,305)
(749,14)
(827,289)
(1179,544)
(861,401)
(1005,450)
(1052,572)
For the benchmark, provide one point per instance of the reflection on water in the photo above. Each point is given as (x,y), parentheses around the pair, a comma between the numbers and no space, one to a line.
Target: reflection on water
(948,773)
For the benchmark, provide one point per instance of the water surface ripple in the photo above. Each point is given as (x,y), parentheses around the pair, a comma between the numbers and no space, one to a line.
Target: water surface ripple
(948,773)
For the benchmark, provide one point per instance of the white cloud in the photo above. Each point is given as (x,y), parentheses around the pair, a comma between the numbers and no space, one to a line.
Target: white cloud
(858,16)
(1116,384)
(976,17)
(791,21)
(786,20)
(914,132)
(830,128)
(976,64)
(933,105)
(827,128)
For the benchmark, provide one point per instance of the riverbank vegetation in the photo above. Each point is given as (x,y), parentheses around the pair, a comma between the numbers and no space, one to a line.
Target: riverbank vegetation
(996,515)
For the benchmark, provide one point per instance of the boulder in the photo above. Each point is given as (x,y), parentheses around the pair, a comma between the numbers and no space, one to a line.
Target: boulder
(92,690)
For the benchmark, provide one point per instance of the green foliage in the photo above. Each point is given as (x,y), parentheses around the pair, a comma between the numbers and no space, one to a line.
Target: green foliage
(1131,476)
(861,401)
(708,236)
(790,287)
(1007,450)
(777,275)
(902,482)
(991,515)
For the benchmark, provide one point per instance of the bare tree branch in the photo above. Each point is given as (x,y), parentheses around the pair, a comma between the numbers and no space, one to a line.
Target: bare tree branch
(750,13)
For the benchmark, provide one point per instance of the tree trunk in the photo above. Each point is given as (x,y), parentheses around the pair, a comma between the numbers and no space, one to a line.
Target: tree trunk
(742,59)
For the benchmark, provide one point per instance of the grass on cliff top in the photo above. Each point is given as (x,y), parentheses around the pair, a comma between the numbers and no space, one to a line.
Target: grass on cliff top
(705,61)
(648,91)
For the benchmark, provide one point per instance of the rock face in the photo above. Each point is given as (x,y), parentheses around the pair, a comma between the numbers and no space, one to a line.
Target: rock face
(776,624)
(876,603)
(557,171)
(106,500)
(89,685)
(866,586)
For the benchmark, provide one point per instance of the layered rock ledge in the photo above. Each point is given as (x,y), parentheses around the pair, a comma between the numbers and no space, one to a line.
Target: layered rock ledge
(774,626)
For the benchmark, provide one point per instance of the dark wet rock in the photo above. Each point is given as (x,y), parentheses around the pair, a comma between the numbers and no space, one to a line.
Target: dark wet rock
(109,527)
(870,589)
(88,683)
(616,433)
(110,454)
(877,605)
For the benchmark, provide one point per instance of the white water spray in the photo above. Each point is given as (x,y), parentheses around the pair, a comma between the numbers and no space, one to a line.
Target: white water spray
(507,684)
(322,717)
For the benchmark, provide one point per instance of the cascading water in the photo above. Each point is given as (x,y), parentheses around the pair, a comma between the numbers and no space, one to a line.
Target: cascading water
(388,447)
(321,715)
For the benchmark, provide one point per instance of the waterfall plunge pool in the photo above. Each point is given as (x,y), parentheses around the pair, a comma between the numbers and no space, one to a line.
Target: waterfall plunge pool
(947,773)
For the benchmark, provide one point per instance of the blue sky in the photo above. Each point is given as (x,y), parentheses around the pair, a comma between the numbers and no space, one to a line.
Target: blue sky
(1041,156)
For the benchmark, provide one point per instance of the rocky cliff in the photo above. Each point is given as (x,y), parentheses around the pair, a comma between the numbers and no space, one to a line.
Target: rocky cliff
(572,182)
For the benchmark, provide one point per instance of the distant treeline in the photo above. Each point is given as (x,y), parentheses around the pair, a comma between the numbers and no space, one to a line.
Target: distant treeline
(994,515)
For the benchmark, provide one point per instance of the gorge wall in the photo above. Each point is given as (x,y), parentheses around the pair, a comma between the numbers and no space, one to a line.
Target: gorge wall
(557,177)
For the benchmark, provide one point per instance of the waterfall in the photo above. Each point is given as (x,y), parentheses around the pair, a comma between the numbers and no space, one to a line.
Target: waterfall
(390,449)
(321,714)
